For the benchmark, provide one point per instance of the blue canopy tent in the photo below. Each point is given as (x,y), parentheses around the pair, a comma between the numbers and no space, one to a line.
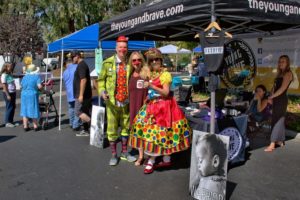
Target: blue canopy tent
(87,39)
(197,49)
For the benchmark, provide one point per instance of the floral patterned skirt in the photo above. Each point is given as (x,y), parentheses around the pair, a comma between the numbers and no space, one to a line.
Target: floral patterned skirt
(160,128)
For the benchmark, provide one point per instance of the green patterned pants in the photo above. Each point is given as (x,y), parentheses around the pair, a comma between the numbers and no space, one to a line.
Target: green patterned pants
(117,116)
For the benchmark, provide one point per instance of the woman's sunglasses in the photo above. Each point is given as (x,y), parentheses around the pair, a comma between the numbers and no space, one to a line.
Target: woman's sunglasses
(154,59)
(137,60)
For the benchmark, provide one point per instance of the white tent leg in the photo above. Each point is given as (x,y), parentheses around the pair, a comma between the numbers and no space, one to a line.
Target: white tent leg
(176,63)
(60,88)
(46,77)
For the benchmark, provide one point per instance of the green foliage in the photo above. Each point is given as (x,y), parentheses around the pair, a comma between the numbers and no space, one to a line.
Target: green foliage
(294,126)
(19,34)
(294,99)
(58,18)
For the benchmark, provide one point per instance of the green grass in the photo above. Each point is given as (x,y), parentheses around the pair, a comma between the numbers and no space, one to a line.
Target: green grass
(200,97)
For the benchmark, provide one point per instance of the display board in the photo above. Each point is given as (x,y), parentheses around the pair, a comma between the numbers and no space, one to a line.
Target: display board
(208,173)
(267,50)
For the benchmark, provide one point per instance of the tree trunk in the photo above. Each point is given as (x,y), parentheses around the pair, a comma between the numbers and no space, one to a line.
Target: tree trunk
(71,26)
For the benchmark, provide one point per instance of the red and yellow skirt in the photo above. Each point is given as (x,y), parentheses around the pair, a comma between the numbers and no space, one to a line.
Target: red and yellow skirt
(160,128)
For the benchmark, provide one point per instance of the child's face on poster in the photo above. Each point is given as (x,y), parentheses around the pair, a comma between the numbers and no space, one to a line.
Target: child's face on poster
(205,160)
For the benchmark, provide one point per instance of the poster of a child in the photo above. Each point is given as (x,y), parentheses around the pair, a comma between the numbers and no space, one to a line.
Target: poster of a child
(209,166)
(97,134)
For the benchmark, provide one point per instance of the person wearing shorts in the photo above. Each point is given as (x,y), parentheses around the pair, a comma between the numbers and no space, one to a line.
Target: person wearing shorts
(82,92)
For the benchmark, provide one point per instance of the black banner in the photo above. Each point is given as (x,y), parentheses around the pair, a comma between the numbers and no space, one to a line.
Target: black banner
(180,19)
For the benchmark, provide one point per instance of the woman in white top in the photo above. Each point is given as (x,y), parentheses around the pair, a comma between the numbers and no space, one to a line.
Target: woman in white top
(9,93)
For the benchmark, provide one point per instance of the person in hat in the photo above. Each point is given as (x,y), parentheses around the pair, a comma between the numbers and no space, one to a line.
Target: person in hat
(82,91)
(68,77)
(30,85)
(113,87)
(160,127)
(27,60)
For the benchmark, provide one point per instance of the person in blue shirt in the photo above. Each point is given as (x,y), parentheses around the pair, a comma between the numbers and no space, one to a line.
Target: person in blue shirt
(68,77)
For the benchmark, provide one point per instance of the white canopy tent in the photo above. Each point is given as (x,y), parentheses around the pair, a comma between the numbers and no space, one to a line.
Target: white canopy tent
(172,49)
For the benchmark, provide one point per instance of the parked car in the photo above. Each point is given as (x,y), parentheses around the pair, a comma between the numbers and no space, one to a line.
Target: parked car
(51,62)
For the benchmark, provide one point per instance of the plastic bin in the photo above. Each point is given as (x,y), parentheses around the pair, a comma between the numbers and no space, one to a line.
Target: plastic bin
(195,80)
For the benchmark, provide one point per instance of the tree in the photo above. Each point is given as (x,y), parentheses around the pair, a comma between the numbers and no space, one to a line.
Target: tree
(60,17)
(19,35)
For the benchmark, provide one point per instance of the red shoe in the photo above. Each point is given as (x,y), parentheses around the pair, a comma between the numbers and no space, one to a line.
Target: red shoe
(149,171)
(163,165)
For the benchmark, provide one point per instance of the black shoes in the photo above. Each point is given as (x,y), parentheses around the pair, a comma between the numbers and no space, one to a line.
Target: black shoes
(26,129)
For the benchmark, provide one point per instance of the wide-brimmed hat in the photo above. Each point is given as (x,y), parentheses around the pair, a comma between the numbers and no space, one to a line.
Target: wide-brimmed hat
(32,69)
(153,53)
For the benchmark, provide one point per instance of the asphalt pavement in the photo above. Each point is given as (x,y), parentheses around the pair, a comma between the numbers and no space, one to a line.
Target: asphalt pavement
(57,165)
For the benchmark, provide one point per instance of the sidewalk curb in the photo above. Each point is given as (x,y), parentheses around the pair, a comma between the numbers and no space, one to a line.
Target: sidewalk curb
(292,134)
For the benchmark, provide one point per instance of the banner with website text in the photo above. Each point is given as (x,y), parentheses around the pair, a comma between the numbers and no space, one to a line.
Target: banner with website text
(161,14)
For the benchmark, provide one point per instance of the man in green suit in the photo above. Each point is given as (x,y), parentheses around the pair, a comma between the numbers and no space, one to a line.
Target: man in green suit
(113,87)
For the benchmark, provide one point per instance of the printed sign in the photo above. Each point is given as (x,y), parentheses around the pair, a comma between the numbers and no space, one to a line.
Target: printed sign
(267,51)
(239,66)
(209,161)
(213,50)
(235,142)
(97,135)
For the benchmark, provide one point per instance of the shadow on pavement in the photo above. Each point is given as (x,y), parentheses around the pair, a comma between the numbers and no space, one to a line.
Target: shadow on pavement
(261,139)
(229,189)
(6,138)
(247,158)
(181,160)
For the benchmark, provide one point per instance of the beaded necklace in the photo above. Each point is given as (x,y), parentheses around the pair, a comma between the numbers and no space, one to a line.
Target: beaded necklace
(155,74)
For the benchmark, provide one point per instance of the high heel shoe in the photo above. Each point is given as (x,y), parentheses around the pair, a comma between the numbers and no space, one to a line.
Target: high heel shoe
(280,144)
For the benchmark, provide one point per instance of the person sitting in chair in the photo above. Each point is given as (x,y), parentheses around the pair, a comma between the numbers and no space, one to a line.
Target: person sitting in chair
(259,109)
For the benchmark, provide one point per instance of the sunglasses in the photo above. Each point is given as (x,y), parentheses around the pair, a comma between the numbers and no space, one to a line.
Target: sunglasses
(137,60)
(154,59)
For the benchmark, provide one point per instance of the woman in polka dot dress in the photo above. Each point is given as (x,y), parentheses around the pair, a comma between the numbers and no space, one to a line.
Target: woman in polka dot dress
(160,127)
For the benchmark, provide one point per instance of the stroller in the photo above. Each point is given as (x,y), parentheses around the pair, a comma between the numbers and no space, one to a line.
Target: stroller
(47,104)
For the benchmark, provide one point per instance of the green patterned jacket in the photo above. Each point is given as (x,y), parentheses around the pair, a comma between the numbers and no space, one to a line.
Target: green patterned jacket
(107,79)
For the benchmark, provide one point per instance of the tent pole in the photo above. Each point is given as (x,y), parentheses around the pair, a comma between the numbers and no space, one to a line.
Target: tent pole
(46,77)
(213,92)
(60,88)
